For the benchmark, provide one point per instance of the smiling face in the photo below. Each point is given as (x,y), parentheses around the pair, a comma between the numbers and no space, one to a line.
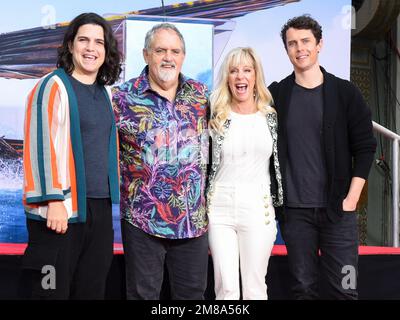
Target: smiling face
(241,81)
(302,49)
(165,57)
(88,52)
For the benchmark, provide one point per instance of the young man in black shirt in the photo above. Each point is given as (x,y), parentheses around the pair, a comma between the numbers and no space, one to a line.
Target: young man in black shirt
(326,148)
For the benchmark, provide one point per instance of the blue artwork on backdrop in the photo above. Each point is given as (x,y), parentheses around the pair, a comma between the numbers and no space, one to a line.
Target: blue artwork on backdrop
(12,218)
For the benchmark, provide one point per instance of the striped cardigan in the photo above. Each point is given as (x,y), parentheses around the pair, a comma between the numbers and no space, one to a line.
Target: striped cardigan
(53,154)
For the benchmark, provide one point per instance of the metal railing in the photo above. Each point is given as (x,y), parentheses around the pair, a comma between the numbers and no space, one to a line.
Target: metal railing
(395,179)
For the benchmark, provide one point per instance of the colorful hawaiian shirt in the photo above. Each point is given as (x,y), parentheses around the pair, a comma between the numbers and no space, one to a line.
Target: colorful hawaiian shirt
(163,157)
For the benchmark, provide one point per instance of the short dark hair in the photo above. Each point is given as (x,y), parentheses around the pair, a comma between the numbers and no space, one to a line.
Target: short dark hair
(110,70)
(302,22)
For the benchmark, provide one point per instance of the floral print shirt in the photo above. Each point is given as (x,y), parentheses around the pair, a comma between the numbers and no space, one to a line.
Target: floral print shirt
(163,157)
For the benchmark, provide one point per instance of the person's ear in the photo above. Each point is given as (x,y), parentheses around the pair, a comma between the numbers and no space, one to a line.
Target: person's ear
(70,46)
(320,45)
(145,56)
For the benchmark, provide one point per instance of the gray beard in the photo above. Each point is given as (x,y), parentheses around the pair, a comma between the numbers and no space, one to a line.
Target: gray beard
(167,75)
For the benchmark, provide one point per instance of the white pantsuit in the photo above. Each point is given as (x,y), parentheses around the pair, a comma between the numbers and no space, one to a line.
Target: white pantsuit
(242,227)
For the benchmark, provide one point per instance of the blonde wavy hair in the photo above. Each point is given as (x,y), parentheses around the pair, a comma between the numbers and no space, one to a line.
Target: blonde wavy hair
(221,97)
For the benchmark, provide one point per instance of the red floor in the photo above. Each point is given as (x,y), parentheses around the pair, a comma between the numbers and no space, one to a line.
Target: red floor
(278,250)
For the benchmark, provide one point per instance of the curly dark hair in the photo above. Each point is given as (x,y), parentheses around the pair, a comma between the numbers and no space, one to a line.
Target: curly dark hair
(302,22)
(110,70)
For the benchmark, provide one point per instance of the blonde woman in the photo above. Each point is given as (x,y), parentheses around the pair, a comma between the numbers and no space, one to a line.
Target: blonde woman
(245,180)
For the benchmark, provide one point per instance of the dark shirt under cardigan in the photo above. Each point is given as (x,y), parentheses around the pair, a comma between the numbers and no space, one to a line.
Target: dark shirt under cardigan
(305,168)
(95,124)
(348,141)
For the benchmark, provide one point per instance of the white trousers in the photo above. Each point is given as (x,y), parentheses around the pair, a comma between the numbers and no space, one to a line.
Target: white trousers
(242,232)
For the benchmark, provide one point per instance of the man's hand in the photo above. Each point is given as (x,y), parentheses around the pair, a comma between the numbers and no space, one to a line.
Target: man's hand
(349,205)
(57,217)
(351,200)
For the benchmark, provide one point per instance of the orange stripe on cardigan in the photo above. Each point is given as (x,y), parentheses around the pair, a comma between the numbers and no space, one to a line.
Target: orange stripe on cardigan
(74,194)
(28,176)
(53,159)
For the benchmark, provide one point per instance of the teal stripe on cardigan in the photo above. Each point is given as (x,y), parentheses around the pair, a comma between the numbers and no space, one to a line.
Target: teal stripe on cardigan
(40,156)
(49,197)
(45,198)
(76,141)
(112,157)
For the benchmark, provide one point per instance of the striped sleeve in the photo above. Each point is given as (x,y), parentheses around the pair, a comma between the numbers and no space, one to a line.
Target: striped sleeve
(41,130)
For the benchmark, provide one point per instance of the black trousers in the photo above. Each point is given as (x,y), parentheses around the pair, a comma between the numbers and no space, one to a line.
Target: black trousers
(145,255)
(319,249)
(81,257)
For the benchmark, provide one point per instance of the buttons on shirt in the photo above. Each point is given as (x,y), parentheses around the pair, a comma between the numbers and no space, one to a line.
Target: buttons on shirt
(266,206)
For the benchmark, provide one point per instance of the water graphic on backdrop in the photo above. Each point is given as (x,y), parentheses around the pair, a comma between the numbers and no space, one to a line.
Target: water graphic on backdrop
(12,217)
